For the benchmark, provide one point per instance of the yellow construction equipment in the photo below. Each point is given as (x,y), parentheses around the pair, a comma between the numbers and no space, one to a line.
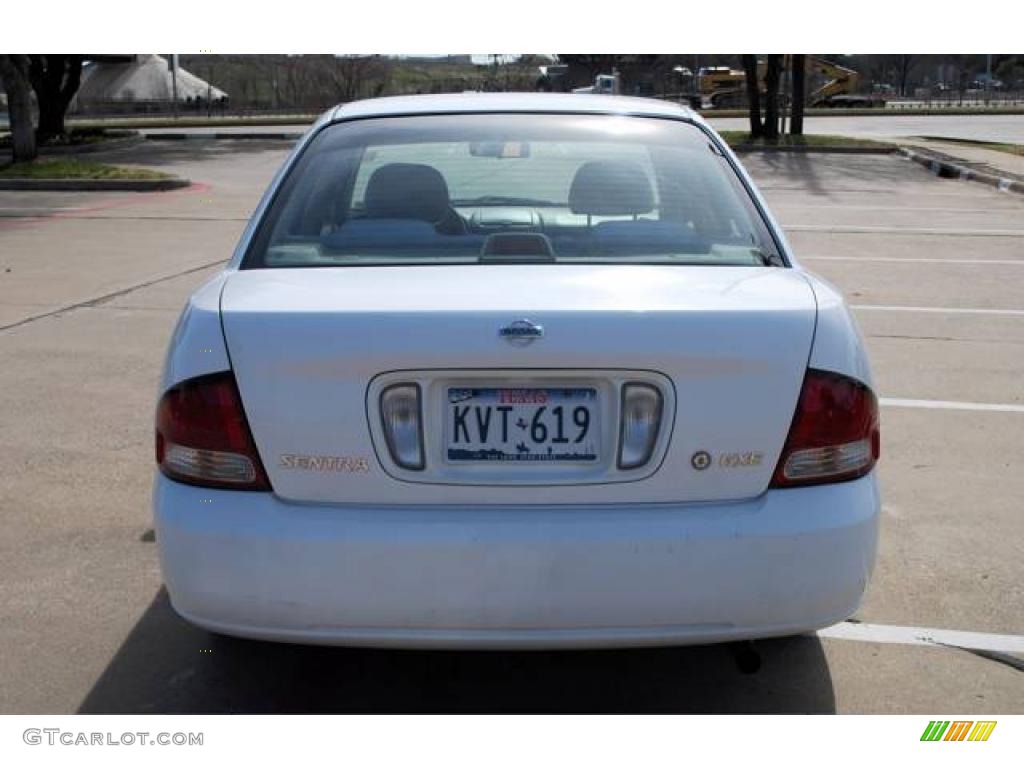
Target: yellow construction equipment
(726,87)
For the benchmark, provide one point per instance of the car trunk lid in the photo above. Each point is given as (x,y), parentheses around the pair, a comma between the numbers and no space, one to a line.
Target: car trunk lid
(730,345)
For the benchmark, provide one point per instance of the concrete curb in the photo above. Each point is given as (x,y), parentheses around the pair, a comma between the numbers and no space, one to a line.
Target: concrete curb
(741,148)
(222,136)
(92,185)
(946,168)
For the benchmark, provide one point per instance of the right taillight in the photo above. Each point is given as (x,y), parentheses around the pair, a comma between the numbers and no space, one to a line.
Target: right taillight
(834,435)
(203,438)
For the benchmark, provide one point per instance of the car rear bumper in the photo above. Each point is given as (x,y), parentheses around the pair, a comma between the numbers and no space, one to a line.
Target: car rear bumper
(252,565)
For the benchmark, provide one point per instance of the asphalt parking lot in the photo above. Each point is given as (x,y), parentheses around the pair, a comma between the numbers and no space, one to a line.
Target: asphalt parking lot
(91,285)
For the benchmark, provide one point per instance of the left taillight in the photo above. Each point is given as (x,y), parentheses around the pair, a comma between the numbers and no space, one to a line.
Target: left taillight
(203,438)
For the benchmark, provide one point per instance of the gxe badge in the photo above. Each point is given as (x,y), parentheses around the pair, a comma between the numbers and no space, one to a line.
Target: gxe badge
(521,332)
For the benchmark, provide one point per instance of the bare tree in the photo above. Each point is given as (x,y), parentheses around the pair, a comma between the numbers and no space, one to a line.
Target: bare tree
(906,62)
(753,95)
(298,81)
(772,77)
(356,76)
(55,78)
(522,72)
(14,72)
(267,68)
(796,120)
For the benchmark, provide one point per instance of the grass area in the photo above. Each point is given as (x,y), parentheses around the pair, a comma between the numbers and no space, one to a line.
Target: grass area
(192,121)
(1010,149)
(76,137)
(73,168)
(742,138)
(81,136)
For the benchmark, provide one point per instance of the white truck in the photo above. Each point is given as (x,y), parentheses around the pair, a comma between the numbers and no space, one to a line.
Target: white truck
(607,85)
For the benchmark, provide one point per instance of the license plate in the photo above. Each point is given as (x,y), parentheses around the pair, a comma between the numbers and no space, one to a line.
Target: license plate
(522,425)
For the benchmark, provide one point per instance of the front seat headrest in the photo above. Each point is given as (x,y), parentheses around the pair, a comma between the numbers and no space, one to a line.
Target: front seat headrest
(407,191)
(611,188)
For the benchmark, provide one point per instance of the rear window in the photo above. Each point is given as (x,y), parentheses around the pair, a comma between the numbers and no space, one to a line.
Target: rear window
(491,188)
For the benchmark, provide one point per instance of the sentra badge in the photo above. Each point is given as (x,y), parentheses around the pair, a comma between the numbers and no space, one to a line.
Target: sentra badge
(324,463)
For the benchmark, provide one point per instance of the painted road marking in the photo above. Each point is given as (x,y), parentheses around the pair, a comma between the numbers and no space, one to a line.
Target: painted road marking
(857,230)
(799,206)
(951,405)
(27,210)
(885,633)
(897,259)
(939,310)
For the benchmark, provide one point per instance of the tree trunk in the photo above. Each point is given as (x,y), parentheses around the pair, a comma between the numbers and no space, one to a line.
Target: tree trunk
(905,62)
(753,95)
(14,72)
(55,79)
(771,97)
(796,122)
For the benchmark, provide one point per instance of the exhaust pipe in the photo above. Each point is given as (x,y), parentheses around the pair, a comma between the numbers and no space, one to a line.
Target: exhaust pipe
(746,656)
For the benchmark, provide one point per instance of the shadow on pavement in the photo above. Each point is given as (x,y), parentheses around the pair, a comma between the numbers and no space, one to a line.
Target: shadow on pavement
(794,166)
(168,666)
(157,153)
(823,174)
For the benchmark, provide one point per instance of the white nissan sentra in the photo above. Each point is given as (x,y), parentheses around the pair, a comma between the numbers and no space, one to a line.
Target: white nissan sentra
(515,371)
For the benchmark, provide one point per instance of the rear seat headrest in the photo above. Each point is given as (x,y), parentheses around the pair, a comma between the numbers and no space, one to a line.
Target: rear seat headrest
(407,191)
(611,188)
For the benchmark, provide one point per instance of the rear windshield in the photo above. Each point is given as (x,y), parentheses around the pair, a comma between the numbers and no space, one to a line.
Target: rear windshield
(453,189)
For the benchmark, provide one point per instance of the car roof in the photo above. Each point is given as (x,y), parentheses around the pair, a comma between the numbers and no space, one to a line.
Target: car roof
(449,103)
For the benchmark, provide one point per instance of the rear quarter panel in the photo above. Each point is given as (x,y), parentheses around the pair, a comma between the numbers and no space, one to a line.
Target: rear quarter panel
(197,345)
(838,345)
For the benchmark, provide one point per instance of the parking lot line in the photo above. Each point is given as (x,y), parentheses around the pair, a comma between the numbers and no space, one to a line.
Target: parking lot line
(866,229)
(886,633)
(951,405)
(917,260)
(938,310)
(778,206)
(96,300)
